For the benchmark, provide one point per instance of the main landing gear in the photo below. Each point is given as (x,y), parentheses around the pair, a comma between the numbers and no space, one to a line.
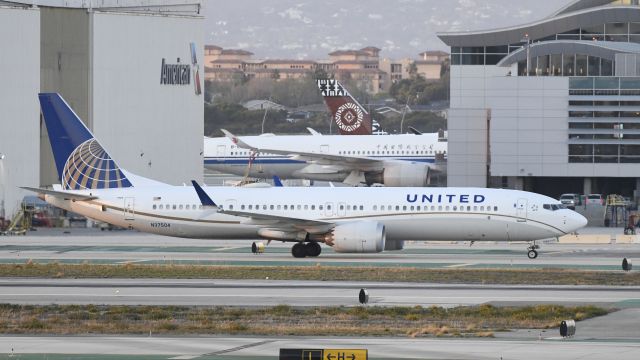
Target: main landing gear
(532,251)
(311,249)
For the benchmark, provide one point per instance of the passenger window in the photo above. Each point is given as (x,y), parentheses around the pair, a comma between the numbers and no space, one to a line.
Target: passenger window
(418,208)
(341,207)
(264,207)
(447,208)
(241,207)
(231,207)
(397,208)
(361,207)
(404,208)
(271,207)
(468,208)
(313,207)
(455,208)
(348,207)
(279,207)
(320,207)
(475,208)
(306,207)
(375,207)
(180,206)
(250,207)
(286,207)
(412,208)
(161,206)
(328,207)
(175,206)
(154,207)
(382,207)
(440,208)
(495,208)
(299,207)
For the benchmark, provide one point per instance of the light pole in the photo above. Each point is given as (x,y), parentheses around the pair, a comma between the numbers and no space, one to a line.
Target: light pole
(404,111)
(527,42)
(2,210)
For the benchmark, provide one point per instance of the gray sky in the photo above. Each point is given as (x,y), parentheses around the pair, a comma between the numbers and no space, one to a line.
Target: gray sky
(313,28)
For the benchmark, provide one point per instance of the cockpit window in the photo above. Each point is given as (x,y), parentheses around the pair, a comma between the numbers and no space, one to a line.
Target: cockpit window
(554,207)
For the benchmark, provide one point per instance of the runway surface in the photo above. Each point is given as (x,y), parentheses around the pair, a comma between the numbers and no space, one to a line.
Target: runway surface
(300,293)
(117,247)
(246,348)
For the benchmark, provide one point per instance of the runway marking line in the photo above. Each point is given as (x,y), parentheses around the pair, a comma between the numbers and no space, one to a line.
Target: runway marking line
(459,265)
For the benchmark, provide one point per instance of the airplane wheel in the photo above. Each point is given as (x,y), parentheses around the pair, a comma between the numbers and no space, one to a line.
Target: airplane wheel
(313,249)
(532,254)
(299,250)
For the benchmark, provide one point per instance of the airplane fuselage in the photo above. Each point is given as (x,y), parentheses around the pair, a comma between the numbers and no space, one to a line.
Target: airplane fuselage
(221,155)
(407,213)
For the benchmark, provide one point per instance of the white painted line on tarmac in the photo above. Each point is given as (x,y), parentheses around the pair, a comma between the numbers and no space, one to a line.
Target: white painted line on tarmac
(458,265)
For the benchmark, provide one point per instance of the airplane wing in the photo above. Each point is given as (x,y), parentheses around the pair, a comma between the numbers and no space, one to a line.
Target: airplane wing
(61,194)
(271,221)
(320,158)
(281,220)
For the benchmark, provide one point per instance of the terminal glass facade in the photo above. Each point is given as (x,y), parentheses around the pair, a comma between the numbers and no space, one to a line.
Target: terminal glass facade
(604,120)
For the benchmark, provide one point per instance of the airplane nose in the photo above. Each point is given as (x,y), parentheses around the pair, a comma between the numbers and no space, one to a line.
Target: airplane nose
(576,221)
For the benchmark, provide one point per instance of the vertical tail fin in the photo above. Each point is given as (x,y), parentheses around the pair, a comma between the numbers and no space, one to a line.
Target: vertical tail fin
(81,161)
(347,113)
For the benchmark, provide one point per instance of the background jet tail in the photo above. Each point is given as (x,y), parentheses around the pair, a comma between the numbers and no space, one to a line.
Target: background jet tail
(81,161)
(350,117)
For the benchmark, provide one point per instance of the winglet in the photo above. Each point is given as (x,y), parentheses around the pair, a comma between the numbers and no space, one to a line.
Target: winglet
(276,181)
(204,198)
(236,140)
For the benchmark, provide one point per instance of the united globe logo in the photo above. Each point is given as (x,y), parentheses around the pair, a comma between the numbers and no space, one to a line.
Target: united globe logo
(90,167)
(349,117)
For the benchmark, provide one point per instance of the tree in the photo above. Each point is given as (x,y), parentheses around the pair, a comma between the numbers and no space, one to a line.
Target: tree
(413,70)
(320,73)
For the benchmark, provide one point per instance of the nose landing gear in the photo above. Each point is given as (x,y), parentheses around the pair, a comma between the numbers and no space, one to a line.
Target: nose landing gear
(532,251)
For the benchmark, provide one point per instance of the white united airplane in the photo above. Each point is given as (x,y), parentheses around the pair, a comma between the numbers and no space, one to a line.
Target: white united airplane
(390,160)
(351,220)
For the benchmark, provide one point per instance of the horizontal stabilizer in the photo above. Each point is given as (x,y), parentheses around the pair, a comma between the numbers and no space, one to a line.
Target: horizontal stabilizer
(61,194)
(236,140)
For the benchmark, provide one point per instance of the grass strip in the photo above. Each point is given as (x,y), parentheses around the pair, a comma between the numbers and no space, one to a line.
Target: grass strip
(326,273)
(477,321)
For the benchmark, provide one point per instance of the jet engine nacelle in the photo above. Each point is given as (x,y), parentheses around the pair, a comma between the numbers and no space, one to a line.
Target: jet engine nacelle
(357,237)
(400,175)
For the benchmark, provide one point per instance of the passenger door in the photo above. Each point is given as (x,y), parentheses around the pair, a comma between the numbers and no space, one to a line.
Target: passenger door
(342,209)
(129,208)
(521,210)
(328,209)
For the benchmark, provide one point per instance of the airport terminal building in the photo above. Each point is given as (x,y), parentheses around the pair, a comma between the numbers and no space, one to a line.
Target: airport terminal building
(112,61)
(552,106)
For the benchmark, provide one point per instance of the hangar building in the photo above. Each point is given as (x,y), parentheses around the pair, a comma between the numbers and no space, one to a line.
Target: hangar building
(110,60)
